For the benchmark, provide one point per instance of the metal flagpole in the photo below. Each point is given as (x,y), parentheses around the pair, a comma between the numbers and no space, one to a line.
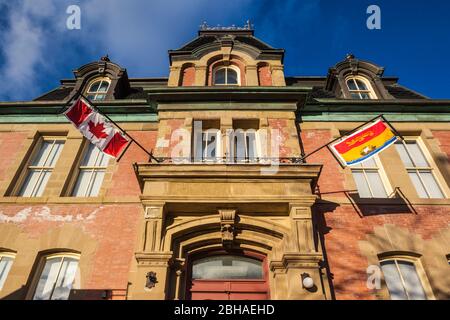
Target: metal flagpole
(114,123)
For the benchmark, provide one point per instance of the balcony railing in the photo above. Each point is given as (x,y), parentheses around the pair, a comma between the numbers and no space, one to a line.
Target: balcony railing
(227,160)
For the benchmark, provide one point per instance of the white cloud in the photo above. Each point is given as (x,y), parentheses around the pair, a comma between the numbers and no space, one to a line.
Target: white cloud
(37,49)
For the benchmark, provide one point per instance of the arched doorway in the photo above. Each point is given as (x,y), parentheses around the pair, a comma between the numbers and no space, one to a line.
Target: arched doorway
(228,276)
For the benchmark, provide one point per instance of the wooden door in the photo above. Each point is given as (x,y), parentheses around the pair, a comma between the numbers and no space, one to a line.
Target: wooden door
(228,277)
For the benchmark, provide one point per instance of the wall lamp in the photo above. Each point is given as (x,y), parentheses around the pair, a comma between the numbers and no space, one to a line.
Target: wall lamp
(307,281)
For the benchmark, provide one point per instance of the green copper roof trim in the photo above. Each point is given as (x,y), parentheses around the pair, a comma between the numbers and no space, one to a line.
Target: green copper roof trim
(394,117)
(49,118)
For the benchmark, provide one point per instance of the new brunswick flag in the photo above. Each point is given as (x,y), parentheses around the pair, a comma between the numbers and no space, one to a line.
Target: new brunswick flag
(364,143)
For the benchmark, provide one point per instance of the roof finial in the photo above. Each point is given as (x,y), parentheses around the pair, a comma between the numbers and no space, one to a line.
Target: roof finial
(105,58)
(350,56)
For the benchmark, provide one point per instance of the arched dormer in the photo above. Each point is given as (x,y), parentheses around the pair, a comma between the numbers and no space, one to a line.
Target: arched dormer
(357,79)
(231,49)
(101,80)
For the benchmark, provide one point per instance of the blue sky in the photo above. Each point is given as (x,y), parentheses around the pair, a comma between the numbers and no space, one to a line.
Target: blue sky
(37,50)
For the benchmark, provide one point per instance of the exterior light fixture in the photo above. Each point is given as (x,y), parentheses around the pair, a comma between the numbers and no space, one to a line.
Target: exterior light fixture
(307,281)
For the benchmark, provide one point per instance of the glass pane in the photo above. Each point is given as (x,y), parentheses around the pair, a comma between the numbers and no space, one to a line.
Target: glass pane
(403,155)
(361,184)
(376,184)
(227,267)
(96,184)
(239,141)
(41,183)
(210,144)
(5,266)
(102,160)
(90,156)
(100,97)
(219,77)
(42,154)
(351,84)
(104,86)
(251,145)
(47,279)
(54,154)
(361,85)
(417,155)
(65,279)
(393,280)
(365,96)
(94,87)
(417,184)
(231,76)
(82,183)
(369,163)
(35,182)
(356,96)
(91,96)
(412,281)
(431,184)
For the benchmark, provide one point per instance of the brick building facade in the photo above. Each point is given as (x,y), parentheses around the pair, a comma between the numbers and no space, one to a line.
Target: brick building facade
(218,217)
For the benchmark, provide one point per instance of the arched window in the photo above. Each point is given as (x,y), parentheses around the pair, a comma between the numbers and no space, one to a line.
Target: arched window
(227,267)
(97,89)
(56,276)
(360,88)
(224,76)
(6,261)
(404,278)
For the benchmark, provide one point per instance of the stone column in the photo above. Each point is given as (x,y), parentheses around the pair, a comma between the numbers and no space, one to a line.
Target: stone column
(278,76)
(251,75)
(174,76)
(153,263)
(200,76)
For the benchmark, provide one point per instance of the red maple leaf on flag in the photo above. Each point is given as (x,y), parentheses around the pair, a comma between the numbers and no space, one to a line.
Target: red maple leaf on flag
(97,129)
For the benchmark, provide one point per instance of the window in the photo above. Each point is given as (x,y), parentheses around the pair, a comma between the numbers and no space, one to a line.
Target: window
(360,88)
(91,174)
(40,169)
(419,169)
(207,141)
(56,278)
(369,177)
(6,261)
(227,267)
(244,146)
(402,280)
(97,89)
(226,76)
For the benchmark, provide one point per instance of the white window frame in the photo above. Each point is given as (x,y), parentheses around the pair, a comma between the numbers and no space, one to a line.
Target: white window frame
(383,177)
(234,68)
(369,90)
(98,92)
(205,137)
(12,256)
(93,171)
(419,271)
(431,167)
(233,146)
(41,169)
(42,266)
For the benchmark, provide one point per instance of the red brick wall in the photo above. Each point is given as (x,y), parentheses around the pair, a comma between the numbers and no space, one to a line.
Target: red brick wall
(124,181)
(264,76)
(10,145)
(188,76)
(343,225)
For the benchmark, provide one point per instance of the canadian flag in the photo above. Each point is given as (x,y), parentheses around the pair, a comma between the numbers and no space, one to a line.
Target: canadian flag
(96,128)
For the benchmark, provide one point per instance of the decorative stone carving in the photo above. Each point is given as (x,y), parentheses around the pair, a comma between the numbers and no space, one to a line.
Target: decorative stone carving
(227,226)
(151,279)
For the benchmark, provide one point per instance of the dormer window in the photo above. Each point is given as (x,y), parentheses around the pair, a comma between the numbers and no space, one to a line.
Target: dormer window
(224,76)
(360,88)
(97,89)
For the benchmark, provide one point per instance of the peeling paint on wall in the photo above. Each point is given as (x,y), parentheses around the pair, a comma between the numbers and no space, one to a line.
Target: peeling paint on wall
(45,214)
